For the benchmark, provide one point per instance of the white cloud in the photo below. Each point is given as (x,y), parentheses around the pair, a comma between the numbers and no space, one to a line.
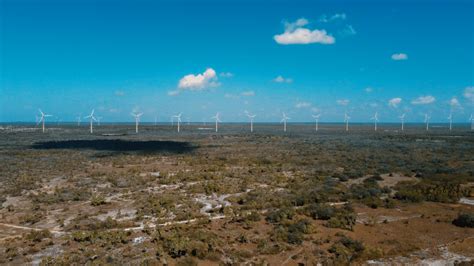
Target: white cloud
(295,33)
(395,102)
(325,19)
(343,102)
(119,93)
(281,79)
(300,105)
(173,93)
(199,81)
(248,93)
(369,90)
(399,57)
(348,31)
(424,100)
(226,74)
(454,102)
(469,93)
(341,16)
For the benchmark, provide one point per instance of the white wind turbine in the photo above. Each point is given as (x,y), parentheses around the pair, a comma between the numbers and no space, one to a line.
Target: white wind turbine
(216,117)
(92,117)
(98,120)
(450,119)
(178,119)
(79,120)
(283,120)
(472,121)
(346,120)
(376,119)
(251,117)
(402,119)
(137,120)
(316,119)
(37,120)
(42,118)
(427,121)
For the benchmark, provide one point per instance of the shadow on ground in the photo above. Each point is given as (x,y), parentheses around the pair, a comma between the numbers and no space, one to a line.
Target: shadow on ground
(118,146)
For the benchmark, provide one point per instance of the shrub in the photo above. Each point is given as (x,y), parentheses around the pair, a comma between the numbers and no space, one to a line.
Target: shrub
(320,211)
(279,215)
(97,200)
(37,236)
(464,220)
(347,249)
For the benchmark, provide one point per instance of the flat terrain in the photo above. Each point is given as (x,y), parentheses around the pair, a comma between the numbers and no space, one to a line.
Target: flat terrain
(235,197)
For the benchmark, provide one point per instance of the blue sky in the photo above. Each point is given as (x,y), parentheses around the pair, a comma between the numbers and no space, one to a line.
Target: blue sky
(267,57)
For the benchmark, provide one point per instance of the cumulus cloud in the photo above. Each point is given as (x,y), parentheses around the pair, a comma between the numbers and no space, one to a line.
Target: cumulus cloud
(199,81)
(343,102)
(301,105)
(469,93)
(281,79)
(296,33)
(399,57)
(248,93)
(395,102)
(454,102)
(424,100)
(368,90)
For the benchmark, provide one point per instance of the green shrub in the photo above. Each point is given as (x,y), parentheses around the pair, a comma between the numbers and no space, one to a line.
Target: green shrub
(279,215)
(320,211)
(347,249)
(37,236)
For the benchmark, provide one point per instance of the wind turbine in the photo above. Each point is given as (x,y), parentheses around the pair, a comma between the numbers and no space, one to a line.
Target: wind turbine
(376,119)
(178,118)
(37,120)
(156,120)
(79,120)
(472,122)
(316,118)
(91,116)
(402,118)
(98,120)
(251,117)
(346,120)
(137,119)
(216,117)
(283,120)
(427,121)
(42,118)
(450,118)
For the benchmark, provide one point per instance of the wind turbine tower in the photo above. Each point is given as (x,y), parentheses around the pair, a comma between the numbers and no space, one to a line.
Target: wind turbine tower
(251,117)
(346,120)
(402,118)
(216,117)
(427,121)
(43,117)
(178,119)
(137,120)
(283,120)
(92,119)
(376,119)
(79,120)
(316,118)
(450,118)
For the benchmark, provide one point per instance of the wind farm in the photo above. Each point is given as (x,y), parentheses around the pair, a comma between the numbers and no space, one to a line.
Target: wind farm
(236,133)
